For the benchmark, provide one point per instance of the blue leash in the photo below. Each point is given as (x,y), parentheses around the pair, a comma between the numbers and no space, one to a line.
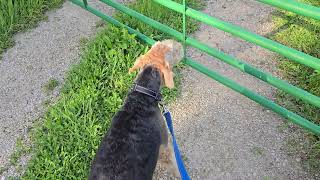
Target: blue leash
(183,172)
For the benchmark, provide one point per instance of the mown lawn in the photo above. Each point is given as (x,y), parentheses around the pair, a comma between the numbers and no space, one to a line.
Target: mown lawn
(303,34)
(66,139)
(19,15)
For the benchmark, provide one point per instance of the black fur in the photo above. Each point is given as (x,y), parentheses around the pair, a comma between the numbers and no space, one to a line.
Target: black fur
(130,149)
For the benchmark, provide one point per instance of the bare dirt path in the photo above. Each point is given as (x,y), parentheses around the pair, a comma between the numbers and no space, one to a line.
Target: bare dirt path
(45,52)
(222,134)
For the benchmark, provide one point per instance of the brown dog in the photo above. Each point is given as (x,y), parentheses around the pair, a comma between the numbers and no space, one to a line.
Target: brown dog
(163,55)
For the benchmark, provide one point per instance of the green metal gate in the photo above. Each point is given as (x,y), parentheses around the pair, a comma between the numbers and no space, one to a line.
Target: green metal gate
(292,54)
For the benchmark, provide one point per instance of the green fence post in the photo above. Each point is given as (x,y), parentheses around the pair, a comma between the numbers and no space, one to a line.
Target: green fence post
(184,31)
(85,2)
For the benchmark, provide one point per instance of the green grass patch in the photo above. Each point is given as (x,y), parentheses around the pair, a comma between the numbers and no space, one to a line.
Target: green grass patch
(19,15)
(302,34)
(66,140)
(21,149)
(50,85)
(257,151)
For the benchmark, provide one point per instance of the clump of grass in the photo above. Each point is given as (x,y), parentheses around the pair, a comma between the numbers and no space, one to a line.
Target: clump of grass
(3,169)
(47,102)
(303,34)
(83,41)
(20,150)
(100,23)
(51,85)
(19,15)
(258,151)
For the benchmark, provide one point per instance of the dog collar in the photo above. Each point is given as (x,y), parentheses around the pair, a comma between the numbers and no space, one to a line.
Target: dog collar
(157,96)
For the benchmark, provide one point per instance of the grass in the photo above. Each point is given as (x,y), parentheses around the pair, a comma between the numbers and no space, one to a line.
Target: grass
(303,34)
(258,151)
(66,140)
(19,15)
(51,85)
(21,149)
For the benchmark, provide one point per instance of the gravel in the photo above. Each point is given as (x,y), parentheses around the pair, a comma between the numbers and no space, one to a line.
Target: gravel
(45,52)
(222,134)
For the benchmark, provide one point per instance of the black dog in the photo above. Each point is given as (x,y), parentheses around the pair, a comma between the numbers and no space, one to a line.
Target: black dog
(130,149)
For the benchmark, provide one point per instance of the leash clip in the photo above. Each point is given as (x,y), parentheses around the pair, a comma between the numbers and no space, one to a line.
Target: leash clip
(164,107)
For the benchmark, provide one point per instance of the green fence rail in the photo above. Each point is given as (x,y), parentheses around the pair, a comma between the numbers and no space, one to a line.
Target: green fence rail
(290,53)
(280,84)
(296,7)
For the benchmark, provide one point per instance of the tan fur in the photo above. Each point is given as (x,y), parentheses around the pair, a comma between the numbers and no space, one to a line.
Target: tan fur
(162,55)
(167,158)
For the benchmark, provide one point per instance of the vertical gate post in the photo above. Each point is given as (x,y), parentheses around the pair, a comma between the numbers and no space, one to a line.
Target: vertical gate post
(85,2)
(184,30)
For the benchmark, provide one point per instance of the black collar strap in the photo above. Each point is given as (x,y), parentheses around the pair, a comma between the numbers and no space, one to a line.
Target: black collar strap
(146,91)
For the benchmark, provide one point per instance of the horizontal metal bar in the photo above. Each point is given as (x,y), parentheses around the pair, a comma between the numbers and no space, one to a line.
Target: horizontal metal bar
(290,53)
(144,19)
(266,77)
(225,81)
(296,7)
(256,97)
(113,21)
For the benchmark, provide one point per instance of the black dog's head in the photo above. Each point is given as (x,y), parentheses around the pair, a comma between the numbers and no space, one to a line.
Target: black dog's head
(150,78)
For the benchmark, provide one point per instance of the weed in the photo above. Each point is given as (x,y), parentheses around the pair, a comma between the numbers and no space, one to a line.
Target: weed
(3,169)
(21,149)
(46,103)
(268,178)
(51,85)
(284,126)
(83,41)
(258,151)
(185,157)
(13,178)
(20,15)
(100,23)
(19,168)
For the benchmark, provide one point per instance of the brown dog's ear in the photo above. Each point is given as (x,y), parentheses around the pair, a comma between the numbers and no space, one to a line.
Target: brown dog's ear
(168,77)
(137,65)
